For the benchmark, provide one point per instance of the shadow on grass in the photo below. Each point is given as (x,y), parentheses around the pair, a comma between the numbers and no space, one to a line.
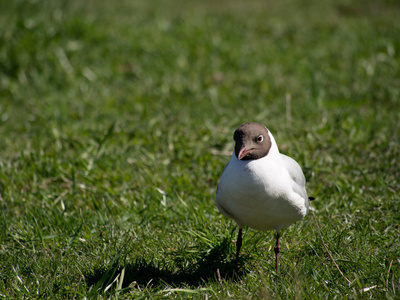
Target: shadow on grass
(212,265)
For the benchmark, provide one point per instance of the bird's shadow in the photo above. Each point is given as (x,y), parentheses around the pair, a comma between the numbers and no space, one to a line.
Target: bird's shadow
(212,265)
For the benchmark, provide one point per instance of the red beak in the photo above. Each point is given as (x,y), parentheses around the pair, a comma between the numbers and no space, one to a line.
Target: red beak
(243,153)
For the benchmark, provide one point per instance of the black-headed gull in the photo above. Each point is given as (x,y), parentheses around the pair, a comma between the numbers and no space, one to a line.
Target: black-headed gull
(260,187)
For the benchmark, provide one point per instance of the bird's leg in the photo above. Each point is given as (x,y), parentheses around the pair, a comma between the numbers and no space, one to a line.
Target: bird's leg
(238,246)
(277,249)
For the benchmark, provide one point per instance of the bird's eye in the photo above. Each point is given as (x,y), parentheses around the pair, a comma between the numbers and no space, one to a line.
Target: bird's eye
(260,138)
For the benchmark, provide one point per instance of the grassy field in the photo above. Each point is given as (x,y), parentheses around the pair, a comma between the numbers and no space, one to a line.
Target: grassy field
(116,121)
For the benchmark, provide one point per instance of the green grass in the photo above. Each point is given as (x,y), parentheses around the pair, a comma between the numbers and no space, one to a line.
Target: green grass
(116,121)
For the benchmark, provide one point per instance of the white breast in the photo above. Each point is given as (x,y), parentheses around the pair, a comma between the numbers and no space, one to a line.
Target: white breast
(261,193)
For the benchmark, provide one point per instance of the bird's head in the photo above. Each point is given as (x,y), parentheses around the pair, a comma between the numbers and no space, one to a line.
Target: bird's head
(252,141)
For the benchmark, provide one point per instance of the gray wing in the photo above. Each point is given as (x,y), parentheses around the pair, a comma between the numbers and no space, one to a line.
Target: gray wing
(296,173)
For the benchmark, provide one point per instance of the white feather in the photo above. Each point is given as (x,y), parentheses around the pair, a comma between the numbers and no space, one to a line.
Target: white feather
(265,194)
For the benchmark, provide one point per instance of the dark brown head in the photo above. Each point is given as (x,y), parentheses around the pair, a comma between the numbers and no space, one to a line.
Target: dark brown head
(252,141)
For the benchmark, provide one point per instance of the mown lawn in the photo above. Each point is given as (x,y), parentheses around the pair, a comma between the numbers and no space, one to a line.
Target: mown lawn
(116,121)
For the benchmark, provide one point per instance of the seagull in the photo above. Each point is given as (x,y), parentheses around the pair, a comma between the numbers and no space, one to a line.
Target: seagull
(260,187)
